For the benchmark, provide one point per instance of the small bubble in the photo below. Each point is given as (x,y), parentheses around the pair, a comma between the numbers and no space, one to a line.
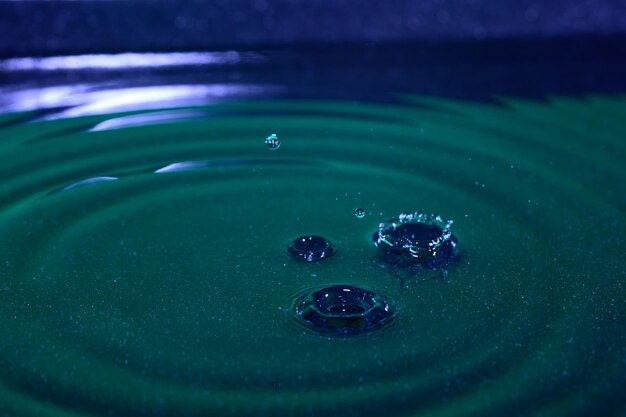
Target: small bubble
(272,141)
(359,213)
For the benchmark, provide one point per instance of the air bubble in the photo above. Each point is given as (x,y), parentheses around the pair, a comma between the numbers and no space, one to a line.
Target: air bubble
(359,213)
(311,248)
(272,141)
(343,310)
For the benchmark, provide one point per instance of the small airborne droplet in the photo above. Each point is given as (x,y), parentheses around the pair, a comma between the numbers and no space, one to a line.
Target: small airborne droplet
(359,213)
(272,142)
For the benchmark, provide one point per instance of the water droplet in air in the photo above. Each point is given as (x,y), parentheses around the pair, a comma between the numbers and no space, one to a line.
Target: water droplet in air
(342,310)
(311,248)
(359,213)
(272,141)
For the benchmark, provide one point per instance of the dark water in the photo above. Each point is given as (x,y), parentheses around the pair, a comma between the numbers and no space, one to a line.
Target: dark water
(145,270)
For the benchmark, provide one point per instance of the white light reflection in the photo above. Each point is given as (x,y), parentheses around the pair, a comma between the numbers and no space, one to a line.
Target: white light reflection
(128,60)
(148,119)
(89,181)
(42,98)
(183,166)
(93,99)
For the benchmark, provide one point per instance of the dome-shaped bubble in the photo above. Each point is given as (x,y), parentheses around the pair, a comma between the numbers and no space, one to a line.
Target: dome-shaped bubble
(343,310)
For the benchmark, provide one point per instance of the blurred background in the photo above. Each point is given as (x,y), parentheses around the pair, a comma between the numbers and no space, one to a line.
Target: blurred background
(471,49)
(48,27)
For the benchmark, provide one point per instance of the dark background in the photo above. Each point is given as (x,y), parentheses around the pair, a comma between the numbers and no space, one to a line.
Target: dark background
(338,48)
(48,27)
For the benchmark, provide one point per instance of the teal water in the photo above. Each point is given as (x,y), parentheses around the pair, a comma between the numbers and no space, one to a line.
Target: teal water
(125,291)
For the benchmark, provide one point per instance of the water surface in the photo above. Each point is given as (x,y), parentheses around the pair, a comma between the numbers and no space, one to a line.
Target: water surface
(144,268)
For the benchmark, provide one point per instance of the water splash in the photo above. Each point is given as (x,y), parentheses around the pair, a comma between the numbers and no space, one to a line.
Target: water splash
(416,241)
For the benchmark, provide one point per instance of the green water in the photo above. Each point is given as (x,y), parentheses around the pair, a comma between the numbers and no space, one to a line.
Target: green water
(168,294)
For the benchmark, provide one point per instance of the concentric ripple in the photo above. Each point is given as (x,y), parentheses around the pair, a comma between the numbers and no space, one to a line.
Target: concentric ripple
(165,291)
